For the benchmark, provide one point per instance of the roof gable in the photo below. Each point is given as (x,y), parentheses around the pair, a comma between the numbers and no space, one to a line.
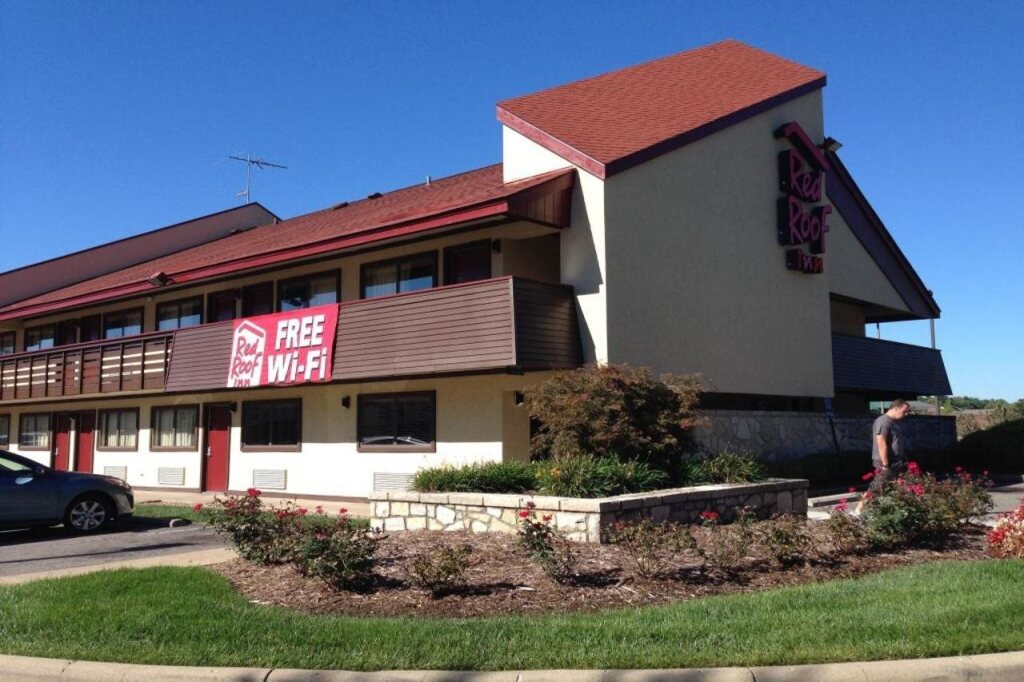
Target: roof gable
(612,122)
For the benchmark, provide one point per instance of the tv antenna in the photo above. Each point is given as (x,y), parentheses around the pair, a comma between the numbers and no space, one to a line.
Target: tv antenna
(250,163)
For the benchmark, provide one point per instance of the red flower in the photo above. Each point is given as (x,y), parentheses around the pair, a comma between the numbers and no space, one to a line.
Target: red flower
(985,473)
(524,514)
(253,492)
(709,515)
(841,506)
(868,476)
(958,469)
(868,495)
(198,507)
(914,469)
(852,489)
(303,511)
(546,518)
(342,511)
(917,489)
(318,509)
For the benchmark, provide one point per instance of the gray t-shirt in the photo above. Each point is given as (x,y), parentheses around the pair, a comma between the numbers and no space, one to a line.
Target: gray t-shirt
(889,428)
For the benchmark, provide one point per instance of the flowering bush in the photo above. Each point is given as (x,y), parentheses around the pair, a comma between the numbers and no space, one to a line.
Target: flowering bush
(651,547)
(1006,540)
(441,570)
(723,547)
(340,553)
(546,545)
(264,536)
(845,533)
(787,539)
(918,507)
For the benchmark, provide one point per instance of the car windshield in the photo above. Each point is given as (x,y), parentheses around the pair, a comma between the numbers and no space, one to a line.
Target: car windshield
(10,467)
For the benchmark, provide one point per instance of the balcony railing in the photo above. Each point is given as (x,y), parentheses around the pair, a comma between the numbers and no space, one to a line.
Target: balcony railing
(129,364)
(887,368)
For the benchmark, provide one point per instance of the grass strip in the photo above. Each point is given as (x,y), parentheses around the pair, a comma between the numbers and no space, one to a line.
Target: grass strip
(191,616)
(167,511)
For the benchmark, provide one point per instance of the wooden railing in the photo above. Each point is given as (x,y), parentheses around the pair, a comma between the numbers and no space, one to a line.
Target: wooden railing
(129,364)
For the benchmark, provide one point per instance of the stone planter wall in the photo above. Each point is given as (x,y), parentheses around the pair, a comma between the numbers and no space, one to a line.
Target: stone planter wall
(582,520)
(776,436)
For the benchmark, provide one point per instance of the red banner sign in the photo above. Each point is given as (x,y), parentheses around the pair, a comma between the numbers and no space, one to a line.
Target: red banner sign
(296,347)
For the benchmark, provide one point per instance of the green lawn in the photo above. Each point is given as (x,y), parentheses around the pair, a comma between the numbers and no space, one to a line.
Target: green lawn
(167,511)
(190,616)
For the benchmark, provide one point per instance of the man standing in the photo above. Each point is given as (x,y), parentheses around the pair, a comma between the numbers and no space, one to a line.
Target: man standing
(887,447)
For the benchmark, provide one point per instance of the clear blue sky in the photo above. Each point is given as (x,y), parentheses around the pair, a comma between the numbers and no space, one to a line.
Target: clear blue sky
(117,117)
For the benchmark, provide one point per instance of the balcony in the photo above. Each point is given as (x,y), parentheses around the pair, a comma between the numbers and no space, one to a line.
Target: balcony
(137,363)
(887,368)
(503,324)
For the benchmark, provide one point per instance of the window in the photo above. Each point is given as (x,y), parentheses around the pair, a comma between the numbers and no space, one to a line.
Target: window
(34,432)
(397,420)
(179,314)
(467,262)
(175,428)
(119,430)
(7,341)
(122,323)
(39,338)
(90,329)
(67,333)
(5,430)
(12,467)
(221,306)
(272,424)
(411,273)
(308,292)
(258,299)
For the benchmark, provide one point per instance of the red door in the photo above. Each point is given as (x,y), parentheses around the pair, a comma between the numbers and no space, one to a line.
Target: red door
(62,442)
(218,442)
(86,424)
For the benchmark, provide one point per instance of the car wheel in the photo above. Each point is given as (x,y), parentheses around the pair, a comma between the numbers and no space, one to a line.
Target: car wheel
(88,514)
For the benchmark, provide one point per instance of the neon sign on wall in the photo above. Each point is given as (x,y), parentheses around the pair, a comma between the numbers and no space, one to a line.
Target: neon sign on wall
(800,221)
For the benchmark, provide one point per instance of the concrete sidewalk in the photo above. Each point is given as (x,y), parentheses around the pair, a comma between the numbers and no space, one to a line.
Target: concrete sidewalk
(331,507)
(1004,666)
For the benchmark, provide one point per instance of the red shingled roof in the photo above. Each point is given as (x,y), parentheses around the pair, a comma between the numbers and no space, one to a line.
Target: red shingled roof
(468,196)
(612,122)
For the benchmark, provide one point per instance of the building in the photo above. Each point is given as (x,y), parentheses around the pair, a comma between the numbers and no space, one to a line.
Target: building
(688,214)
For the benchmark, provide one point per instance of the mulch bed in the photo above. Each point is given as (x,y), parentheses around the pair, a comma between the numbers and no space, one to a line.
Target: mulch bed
(502,581)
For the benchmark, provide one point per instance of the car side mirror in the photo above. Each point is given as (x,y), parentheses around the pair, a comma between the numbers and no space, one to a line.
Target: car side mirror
(40,472)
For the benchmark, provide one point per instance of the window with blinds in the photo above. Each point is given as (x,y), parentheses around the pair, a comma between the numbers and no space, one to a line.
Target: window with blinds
(272,424)
(397,421)
(34,431)
(308,292)
(175,428)
(119,430)
(179,314)
(410,273)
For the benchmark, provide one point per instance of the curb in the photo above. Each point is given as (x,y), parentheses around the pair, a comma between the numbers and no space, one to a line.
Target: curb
(1004,666)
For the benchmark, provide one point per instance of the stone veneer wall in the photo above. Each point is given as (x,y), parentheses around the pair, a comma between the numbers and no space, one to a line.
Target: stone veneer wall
(583,520)
(775,436)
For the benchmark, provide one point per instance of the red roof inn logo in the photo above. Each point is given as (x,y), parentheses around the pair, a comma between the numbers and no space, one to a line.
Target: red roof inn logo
(801,176)
(296,347)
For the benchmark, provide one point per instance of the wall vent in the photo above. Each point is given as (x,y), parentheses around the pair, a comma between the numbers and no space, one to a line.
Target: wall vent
(170,476)
(116,472)
(270,479)
(385,480)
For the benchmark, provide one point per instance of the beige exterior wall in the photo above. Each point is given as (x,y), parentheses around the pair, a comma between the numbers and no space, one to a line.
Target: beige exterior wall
(477,421)
(697,279)
(847,318)
(852,272)
(583,250)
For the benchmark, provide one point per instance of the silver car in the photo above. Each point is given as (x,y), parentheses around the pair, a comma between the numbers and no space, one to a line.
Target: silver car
(32,494)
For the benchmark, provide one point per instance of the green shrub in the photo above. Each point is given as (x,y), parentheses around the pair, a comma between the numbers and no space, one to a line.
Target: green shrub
(263,536)
(487,477)
(844,533)
(615,410)
(584,476)
(342,555)
(724,467)
(787,539)
(441,570)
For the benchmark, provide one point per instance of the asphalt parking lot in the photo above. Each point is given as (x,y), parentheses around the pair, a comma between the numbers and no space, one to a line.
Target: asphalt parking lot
(23,551)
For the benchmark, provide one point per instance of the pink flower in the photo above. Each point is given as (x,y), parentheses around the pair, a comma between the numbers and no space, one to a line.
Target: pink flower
(253,492)
(868,495)
(524,514)
(985,473)
(318,509)
(852,489)
(198,507)
(303,511)
(917,489)
(841,505)
(342,511)
(868,476)
(958,469)
(709,515)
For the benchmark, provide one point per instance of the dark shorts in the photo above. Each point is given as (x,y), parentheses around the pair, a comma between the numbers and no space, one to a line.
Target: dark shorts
(883,476)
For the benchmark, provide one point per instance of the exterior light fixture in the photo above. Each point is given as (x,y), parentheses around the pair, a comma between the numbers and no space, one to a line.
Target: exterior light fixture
(831,144)
(346,402)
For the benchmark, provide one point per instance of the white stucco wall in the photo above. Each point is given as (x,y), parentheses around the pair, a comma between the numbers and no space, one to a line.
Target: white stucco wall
(477,420)
(851,270)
